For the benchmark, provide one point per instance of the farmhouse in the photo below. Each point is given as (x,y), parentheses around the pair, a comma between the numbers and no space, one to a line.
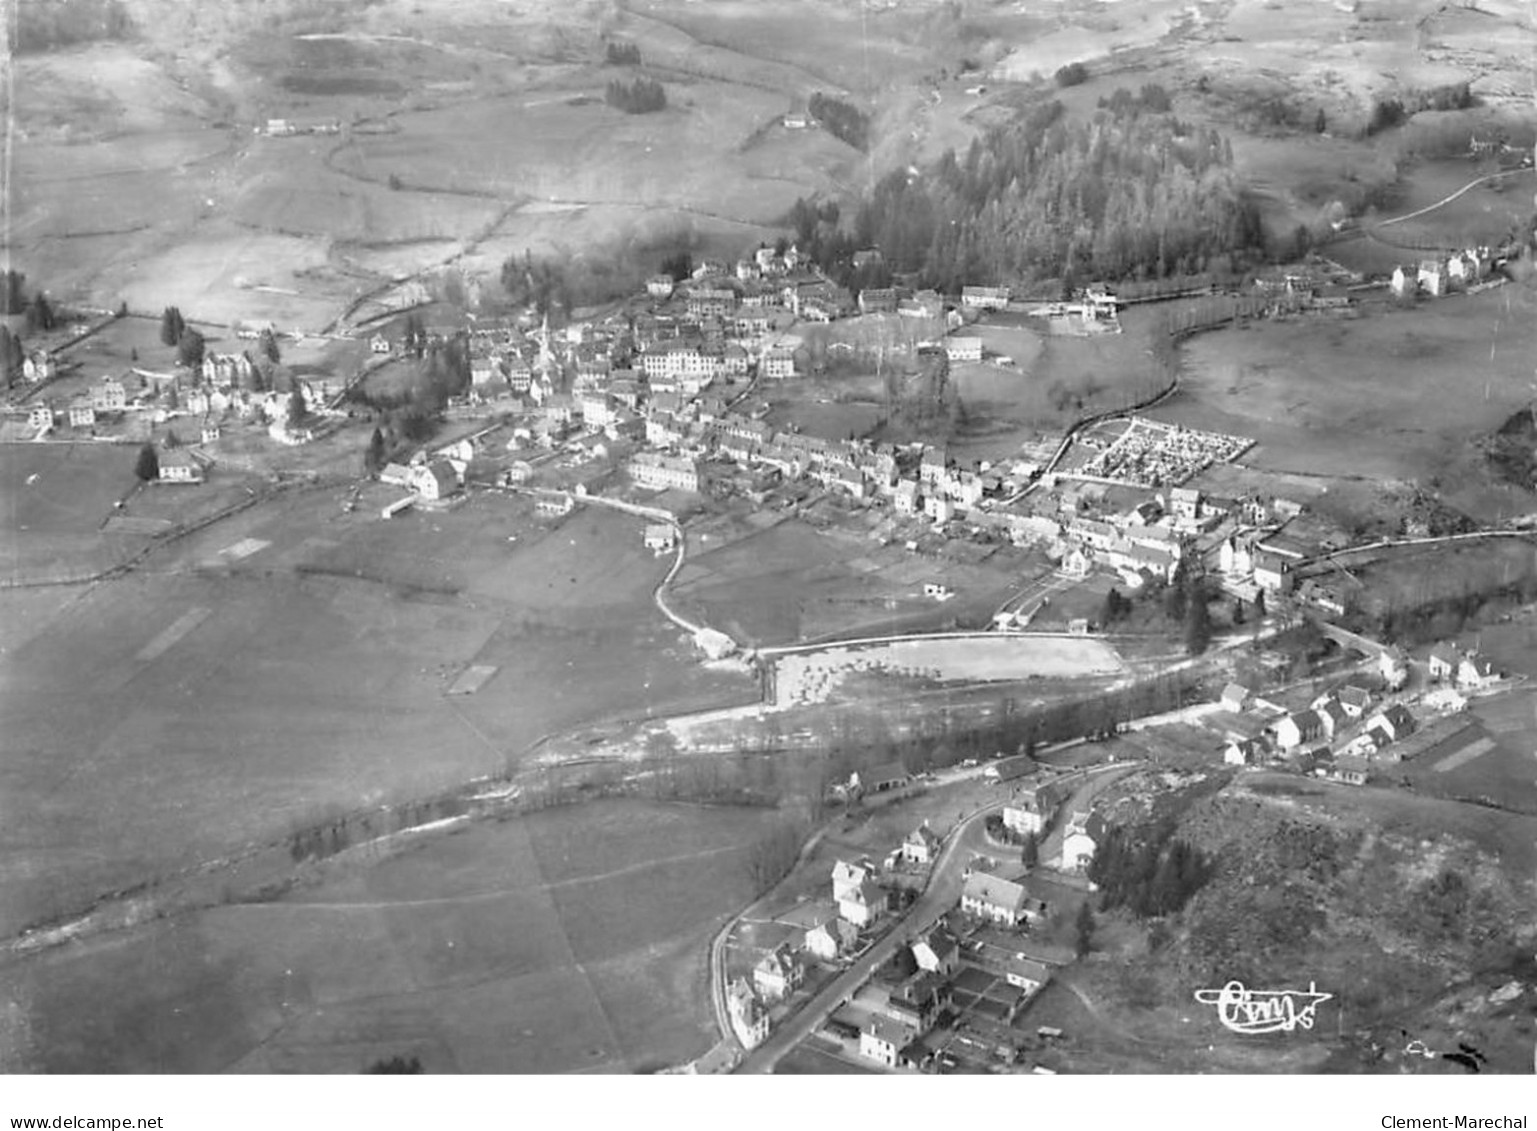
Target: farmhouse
(178,466)
(379,344)
(963,348)
(435,480)
(882,779)
(992,897)
(553,504)
(660,537)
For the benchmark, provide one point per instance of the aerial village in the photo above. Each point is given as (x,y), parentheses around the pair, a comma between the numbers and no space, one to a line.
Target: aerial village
(658,402)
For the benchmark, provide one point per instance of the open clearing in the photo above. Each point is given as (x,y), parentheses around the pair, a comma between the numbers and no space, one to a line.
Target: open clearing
(307,688)
(566,941)
(1391,396)
(55,499)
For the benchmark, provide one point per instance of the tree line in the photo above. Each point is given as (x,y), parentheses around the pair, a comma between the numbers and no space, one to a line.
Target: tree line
(622,54)
(1133,192)
(845,121)
(62,23)
(639,96)
(1149,871)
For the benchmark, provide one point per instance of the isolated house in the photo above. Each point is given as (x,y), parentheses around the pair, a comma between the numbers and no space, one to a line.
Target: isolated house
(660,537)
(379,344)
(178,466)
(883,778)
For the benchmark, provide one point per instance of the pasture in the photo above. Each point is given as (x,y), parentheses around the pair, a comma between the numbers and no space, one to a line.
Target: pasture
(573,940)
(1393,396)
(54,499)
(305,688)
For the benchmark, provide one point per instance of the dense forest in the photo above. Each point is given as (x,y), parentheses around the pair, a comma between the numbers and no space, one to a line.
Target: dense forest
(1132,192)
(43,26)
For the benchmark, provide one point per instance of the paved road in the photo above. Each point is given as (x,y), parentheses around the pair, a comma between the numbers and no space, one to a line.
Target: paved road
(964,842)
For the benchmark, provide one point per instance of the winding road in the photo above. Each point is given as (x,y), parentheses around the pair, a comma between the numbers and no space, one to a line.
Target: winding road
(967,840)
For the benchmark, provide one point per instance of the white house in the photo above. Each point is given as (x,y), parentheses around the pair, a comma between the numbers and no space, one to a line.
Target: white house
(921,846)
(1297,728)
(963,348)
(435,480)
(831,938)
(861,905)
(178,466)
(882,1039)
(992,897)
(937,951)
(1475,672)
(748,1020)
(1084,833)
(778,973)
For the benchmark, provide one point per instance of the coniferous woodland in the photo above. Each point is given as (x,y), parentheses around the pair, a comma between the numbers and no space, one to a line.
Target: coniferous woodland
(1131,193)
(643,96)
(846,122)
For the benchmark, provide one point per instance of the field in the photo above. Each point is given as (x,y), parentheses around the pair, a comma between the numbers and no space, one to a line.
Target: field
(226,684)
(1396,396)
(56,498)
(815,676)
(573,940)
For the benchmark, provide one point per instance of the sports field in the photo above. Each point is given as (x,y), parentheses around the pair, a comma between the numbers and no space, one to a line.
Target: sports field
(574,940)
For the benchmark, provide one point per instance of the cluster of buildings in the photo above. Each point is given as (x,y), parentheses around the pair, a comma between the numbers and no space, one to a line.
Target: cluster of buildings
(1436,277)
(1351,731)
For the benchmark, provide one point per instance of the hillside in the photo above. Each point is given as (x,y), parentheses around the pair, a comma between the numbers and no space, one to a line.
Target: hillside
(1419,916)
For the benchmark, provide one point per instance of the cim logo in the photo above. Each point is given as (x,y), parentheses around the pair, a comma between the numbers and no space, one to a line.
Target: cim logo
(1263,1011)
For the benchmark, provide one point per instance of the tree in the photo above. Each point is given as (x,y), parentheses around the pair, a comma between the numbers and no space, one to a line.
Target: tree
(13,296)
(148,465)
(172,440)
(189,347)
(1115,607)
(269,346)
(374,457)
(296,407)
(1030,851)
(1320,123)
(1197,621)
(40,313)
(1259,605)
(171,326)
(122,309)
(1083,930)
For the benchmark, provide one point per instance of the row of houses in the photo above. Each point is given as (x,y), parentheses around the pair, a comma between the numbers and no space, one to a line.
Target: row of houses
(1439,276)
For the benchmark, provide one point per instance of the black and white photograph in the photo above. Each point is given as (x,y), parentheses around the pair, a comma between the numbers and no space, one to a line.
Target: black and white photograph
(638,538)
